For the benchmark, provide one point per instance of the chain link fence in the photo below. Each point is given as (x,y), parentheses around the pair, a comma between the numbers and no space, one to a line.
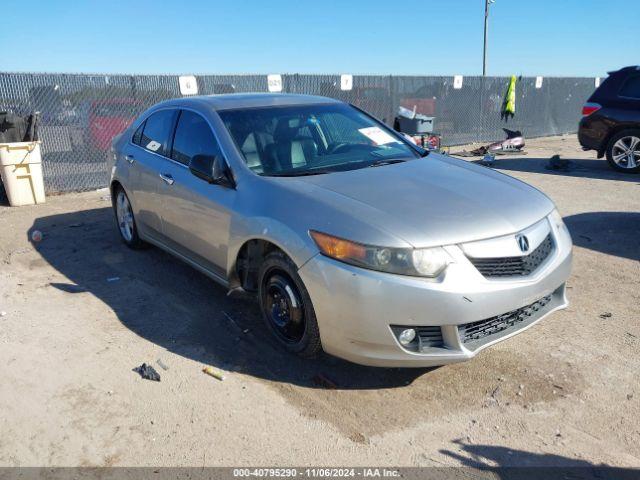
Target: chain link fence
(80,114)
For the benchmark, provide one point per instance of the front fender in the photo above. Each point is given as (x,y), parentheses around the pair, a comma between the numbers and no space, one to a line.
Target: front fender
(297,245)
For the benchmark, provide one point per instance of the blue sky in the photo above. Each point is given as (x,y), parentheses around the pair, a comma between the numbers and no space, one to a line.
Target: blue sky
(422,37)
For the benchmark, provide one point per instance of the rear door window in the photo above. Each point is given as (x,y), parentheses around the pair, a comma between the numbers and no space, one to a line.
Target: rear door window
(156,135)
(631,87)
(193,137)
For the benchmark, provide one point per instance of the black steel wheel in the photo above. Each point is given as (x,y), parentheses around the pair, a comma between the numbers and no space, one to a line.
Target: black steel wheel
(286,306)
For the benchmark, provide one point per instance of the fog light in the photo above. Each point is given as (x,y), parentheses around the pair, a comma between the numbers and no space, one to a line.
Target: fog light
(407,336)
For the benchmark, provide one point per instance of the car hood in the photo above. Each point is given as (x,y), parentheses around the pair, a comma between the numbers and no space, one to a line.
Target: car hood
(437,200)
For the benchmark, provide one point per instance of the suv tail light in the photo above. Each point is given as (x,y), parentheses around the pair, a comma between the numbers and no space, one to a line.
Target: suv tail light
(590,108)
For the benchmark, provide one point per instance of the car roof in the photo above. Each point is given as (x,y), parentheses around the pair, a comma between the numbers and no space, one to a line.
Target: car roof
(625,69)
(247,100)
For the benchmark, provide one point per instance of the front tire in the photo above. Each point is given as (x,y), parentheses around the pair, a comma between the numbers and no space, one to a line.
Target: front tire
(286,306)
(623,151)
(125,220)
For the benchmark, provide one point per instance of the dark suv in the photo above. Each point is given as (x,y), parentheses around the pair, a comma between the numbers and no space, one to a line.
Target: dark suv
(611,120)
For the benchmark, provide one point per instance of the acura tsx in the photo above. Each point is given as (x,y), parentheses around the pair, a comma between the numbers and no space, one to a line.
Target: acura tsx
(354,241)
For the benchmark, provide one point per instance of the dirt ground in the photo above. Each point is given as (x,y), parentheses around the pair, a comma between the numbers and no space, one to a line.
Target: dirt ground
(79,310)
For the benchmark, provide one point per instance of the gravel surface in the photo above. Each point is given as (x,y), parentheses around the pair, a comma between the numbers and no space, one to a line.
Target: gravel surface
(79,311)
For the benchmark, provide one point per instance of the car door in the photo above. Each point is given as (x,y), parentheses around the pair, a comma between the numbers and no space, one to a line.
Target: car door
(196,215)
(151,143)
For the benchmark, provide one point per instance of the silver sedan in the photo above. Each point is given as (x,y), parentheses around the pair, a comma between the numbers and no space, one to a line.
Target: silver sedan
(353,240)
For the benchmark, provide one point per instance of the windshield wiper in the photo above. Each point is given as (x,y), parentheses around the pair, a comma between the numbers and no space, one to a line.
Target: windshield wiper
(299,174)
(379,163)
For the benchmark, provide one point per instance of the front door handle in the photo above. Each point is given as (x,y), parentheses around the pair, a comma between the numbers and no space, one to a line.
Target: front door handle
(129,158)
(166,178)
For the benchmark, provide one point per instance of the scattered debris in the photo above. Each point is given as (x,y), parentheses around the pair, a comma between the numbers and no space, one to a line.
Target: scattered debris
(559,164)
(214,372)
(113,279)
(358,437)
(606,315)
(162,365)
(36,236)
(105,198)
(147,372)
(488,160)
(629,396)
(323,381)
(514,143)
(231,319)
(3,314)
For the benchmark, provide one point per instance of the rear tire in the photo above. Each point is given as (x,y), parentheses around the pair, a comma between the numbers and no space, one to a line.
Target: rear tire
(125,220)
(623,151)
(286,306)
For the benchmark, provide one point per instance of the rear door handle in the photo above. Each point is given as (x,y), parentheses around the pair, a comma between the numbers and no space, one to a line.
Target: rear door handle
(166,178)
(129,158)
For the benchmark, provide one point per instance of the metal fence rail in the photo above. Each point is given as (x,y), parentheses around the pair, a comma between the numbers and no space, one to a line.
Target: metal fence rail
(81,113)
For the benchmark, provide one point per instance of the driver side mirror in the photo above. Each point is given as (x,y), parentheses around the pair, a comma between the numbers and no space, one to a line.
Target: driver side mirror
(211,169)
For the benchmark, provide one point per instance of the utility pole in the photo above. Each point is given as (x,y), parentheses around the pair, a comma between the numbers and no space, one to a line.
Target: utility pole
(486,31)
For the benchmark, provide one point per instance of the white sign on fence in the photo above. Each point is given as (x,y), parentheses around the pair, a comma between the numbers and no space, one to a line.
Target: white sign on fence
(188,85)
(538,82)
(597,82)
(274,82)
(346,81)
(457,82)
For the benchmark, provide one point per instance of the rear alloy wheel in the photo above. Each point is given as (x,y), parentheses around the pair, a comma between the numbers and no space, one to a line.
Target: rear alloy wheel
(623,151)
(286,306)
(125,220)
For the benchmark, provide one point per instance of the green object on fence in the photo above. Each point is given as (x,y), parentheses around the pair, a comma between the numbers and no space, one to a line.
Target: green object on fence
(510,99)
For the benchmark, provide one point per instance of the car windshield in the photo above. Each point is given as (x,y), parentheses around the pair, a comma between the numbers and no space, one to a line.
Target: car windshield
(312,139)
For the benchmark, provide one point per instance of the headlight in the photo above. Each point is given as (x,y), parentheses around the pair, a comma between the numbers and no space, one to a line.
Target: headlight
(422,262)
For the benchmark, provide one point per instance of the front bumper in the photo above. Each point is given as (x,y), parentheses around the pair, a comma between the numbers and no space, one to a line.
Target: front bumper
(356,308)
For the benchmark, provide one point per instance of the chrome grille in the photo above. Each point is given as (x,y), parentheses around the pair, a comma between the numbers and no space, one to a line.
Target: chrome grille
(481,329)
(514,266)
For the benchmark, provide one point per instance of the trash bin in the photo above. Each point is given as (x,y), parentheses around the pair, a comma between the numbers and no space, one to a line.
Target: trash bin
(416,125)
(412,123)
(21,172)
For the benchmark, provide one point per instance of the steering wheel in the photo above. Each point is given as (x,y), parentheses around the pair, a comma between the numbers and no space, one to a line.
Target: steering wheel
(342,147)
(337,147)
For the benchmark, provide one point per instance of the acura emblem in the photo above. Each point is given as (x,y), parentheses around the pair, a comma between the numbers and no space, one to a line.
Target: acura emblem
(523,242)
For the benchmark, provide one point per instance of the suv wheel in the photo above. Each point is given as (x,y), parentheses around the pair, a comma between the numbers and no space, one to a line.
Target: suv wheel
(623,151)
(125,220)
(286,306)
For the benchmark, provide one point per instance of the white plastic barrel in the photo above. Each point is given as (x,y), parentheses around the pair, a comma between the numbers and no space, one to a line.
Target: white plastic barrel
(21,171)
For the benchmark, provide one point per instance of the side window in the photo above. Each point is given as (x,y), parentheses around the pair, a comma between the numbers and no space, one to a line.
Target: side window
(631,88)
(137,137)
(193,137)
(156,134)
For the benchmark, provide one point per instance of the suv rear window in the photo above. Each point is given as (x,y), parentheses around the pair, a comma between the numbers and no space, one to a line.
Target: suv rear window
(631,87)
